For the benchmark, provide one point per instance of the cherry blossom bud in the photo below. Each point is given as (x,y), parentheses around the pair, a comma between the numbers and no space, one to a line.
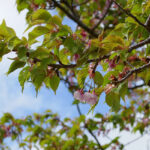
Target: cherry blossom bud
(84,34)
(34,6)
(111,64)
(113,148)
(76,57)
(127,129)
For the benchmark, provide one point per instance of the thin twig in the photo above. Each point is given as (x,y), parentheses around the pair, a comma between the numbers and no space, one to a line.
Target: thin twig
(95,66)
(70,7)
(104,13)
(85,2)
(140,44)
(131,72)
(137,86)
(133,141)
(147,23)
(89,130)
(61,65)
(130,15)
(76,19)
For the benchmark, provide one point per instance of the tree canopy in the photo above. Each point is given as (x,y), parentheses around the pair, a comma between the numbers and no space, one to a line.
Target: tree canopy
(108,52)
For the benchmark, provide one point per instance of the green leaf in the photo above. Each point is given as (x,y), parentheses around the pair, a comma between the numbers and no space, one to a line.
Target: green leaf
(39,1)
(22,4)
(75,102)
(74,46)
(98,90)
(71,45)
(13,42)
(56,20)
(113,100)
(7,117)
(111,42)
(15,65)
(6,32)
(41,14)
(24,76)
(98,115)
(54,83)
(3,49)
(22,53)
(81,76)
(37,31)
(122,90)
(46,61)
(38,75)
(40,53)
(22,144)
(98,78)
(107,77)
(63,56)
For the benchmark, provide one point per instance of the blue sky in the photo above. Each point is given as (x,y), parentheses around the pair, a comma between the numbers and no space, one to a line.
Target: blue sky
(21,104)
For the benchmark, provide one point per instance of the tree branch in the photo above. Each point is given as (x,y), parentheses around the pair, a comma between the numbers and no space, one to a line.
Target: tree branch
(76,19)
(70,7)
(131,72)
(58,66)
(130,15)
(137,86)
(104,13)
(140,44)
(86,1)
(61,65)
(89,130)
(133,140)
(147,23)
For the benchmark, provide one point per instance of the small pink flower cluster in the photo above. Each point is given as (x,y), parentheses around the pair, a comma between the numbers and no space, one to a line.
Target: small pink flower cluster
(146,121)
(90,98)
(111,64)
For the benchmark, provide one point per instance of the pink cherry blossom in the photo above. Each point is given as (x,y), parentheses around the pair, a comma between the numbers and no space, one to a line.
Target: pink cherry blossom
(79,95)
(90,98)
(146,121)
